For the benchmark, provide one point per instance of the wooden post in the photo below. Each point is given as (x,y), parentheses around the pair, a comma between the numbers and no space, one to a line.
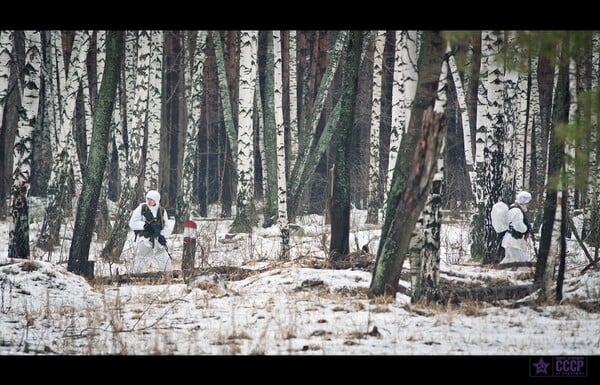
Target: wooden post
(189,249)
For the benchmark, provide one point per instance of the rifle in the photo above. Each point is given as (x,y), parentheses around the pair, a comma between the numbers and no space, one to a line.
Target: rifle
(167,250)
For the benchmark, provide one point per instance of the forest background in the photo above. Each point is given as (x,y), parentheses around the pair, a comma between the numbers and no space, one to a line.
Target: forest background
(272,124)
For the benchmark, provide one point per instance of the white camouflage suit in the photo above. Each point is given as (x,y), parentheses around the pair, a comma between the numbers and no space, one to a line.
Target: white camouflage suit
(148,257)
(516,250)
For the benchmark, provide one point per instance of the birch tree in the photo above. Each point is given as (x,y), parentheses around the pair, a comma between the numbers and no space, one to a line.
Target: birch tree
(88,200)
(154,40)
(403,93)
(245,215)
(293,98)
(373,203)
(6,47)
(66,171)
(282,214)
(310,145)
(424,251)
(411,180)
(138,139)
(18,244)
(194,75)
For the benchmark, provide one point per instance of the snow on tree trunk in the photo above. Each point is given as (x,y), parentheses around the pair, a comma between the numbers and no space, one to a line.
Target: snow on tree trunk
(373,203)
(18,244)
(282,216)
(245,215)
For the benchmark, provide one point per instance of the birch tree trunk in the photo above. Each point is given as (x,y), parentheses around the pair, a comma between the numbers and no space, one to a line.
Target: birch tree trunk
(409,187)
(5,49)
(154,41)
(403,94)
(425,243)
(308,153)
(293,98)
(88,200)
(373,203)
(282,214)
(133,189)
(194,77)
(491,161)
(245,217)
(66,173)
(6,144)
(18,244)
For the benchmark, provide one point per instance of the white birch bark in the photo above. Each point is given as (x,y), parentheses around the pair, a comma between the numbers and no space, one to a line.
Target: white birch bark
(425,243)
(69,82)
(225,99)
(155,41)
(592,215)
(293,102)
(139,126)
(483,123)
(513,148)
(5,49)
(308,136)
(462,105)
(571,145)
(403,93)
(65,86)
(29,92)
(122,114)
(282,214)
(373,201)
(194,77)
(245,139)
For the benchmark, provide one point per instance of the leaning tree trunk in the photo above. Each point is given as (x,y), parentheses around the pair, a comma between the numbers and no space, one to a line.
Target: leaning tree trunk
(388,265)
(138,132)
(425,259)
(92,184)
(391,253)
(66,172)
